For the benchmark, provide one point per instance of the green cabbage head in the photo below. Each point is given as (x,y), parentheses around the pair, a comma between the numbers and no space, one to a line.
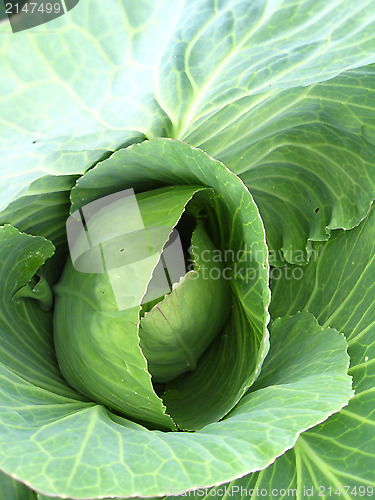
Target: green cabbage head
(160,332)
(164,167)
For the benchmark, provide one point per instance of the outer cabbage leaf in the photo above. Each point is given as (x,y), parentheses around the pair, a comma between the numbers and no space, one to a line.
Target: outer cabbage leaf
(307,155)
(43,212)
(339,288)
(29,355)
(224,51)
(92,93)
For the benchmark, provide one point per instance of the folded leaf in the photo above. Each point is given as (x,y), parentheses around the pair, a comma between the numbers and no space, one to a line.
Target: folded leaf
(338,288)
(306,154)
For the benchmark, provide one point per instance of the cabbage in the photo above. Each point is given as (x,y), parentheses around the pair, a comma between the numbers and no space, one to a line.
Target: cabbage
(186,251)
